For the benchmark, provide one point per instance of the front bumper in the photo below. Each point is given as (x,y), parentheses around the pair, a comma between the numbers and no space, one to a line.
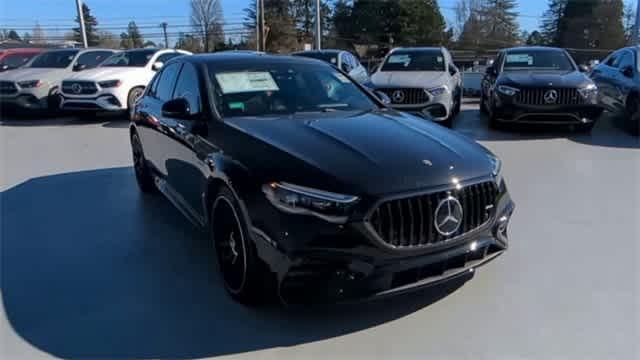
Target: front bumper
(27,100)
(105,102)
(318,262)
(506,110)
(438,108)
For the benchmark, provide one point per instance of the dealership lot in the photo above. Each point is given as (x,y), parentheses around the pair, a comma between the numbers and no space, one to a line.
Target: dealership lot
(93,269)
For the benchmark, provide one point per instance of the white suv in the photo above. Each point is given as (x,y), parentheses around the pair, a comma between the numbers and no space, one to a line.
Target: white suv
(422,81)
(118,83)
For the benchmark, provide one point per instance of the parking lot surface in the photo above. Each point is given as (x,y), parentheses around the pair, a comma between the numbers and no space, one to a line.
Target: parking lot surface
(91,268)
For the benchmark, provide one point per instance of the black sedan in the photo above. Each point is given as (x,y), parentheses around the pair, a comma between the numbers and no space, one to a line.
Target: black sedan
(309,186)
(539,85)
(618,79)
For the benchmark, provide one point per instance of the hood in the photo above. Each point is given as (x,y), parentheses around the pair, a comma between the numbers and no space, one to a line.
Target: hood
(567,79)
(370,153)
(417,79)
(43,74)
(111,73)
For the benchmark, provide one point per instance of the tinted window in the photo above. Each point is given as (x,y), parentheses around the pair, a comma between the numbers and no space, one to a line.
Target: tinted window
(187,87)
(168,56)
(93,58)
(612,60)
(528,60)
(164,89)
(132,58)
(153,85)
(330,57)
(414,60)
(268,89)
(16,60)
(626,60)
(54,59)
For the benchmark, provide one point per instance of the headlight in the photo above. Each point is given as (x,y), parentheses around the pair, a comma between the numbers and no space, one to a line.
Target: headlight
(294,199)
(110,83)
(438,90)
(497,169)
(30,84)
(589,92)
(508,90)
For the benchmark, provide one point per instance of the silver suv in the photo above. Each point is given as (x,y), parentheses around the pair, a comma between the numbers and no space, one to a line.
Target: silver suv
(36,85)
(422,81)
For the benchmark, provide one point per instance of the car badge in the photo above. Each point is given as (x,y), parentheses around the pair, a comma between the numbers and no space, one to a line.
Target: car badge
(427,162)
(448,216)
(76,88)
(551,97)
(398,96)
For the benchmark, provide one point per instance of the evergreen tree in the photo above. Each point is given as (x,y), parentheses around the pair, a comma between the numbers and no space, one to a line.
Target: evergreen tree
(132,38)
(13,35)
(422,23)
(280,25)
(500,22)
(592,24)
(551,19)
(90,23)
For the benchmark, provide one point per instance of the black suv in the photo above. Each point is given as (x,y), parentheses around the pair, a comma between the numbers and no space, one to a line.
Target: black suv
(310,187)
(539,85)
(618,78)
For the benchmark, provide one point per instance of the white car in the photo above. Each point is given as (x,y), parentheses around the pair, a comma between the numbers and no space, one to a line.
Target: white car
(422,81)
(343,60)
(118,83)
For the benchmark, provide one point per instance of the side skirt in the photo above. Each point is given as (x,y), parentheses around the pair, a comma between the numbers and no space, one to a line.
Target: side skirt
(178,201)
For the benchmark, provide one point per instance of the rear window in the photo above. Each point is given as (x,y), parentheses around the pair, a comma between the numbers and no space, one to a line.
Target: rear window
(54,59)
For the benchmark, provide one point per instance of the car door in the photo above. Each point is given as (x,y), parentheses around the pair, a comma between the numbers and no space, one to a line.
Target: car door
(625,78)
(604,76)
(187,154)
(155,130)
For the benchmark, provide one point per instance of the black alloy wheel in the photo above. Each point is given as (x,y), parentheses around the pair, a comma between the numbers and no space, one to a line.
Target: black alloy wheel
(237,260)
(144,177)
(132,99)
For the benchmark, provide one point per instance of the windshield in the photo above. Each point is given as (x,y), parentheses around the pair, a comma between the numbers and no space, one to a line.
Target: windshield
(285,89)
(16,60)
(532,60)
(331,58)
(54,59)
(137,58)
(423,60)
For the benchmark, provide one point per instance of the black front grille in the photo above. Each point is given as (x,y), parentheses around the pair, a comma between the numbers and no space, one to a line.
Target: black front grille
(406,96)
(409,222)
(79,87)
(536,96)
(8,88)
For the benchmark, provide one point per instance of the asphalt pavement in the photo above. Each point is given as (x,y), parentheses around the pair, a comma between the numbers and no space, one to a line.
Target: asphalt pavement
(91,268)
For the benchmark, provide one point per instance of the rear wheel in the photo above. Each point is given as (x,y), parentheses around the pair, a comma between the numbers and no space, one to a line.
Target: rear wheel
(238,262)
(633,114)
(483,105)
(144,178)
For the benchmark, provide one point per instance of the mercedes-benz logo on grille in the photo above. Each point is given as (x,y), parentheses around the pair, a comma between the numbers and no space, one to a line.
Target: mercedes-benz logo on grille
(551,97)
(448,216)
(398,96)
(76,88)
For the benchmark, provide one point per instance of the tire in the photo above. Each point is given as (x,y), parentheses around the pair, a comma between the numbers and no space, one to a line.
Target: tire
(633,114)
(144,177)
(458,105)
(241,271)
(483,105)
(134,95)
(493,121)
(54,100)
(585,128)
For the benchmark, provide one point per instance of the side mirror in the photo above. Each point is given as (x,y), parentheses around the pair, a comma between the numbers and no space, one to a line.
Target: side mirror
(79,67)
(583,68)
(177,109)
(452,70)
(157,65)
(382,97)
(627,71)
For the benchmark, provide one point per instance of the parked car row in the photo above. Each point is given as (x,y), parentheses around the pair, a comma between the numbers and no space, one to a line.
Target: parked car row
(82,79)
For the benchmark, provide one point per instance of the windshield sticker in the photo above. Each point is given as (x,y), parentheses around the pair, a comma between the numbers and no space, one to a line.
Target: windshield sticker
(399,59)
(243,82)
(342,78)
(520,58)
(236,106)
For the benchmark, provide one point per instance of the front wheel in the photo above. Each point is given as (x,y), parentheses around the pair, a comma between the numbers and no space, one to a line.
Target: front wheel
(54,100)
(132,99)
(238,262)
(144,178)
(633,113)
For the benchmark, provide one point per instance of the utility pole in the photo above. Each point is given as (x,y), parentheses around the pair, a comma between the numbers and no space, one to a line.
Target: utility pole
(258,40)
(318,26)
(263,35)
(83,31)
(636,26)
(164,30)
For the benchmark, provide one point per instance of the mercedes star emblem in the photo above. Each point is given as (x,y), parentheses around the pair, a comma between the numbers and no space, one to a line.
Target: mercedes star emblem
(76,88)
(551,97)
(448,216)
(398,96)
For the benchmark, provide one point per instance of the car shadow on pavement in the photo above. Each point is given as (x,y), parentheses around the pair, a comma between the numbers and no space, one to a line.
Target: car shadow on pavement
(92,268)
(63,119)
(608,131)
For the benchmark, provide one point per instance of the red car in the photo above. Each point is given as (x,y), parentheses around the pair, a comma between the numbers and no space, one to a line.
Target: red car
(14,58)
